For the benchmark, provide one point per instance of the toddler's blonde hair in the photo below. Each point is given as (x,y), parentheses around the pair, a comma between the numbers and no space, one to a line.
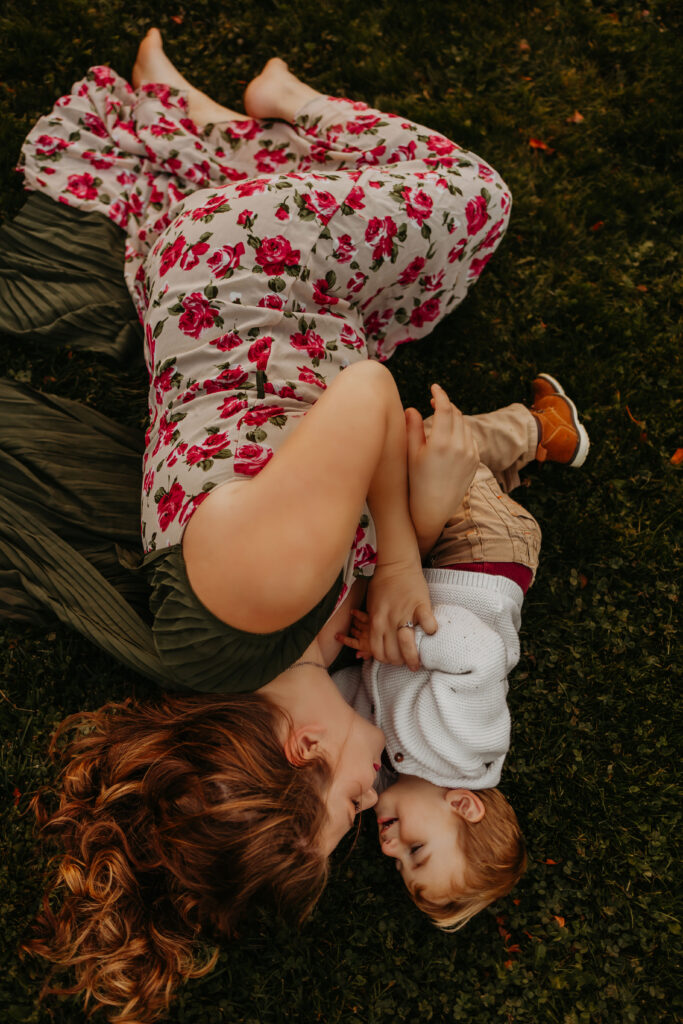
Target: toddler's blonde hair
(495,855)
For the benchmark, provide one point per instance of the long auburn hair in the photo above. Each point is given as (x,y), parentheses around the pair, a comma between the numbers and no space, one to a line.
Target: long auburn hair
(173,817)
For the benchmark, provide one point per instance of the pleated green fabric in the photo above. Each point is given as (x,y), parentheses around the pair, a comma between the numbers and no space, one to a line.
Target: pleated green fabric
(61,281)
(232,660)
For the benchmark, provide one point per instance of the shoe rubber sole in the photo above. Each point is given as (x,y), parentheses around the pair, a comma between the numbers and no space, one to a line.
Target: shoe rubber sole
(579,456)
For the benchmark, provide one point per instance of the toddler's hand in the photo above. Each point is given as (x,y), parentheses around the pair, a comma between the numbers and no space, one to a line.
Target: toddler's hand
(359,639)
(441,465)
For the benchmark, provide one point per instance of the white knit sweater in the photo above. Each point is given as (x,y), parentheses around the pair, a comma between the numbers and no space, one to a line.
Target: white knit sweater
(448,722)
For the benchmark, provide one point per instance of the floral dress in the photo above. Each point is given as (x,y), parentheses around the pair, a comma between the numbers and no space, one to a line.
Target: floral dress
(263,258)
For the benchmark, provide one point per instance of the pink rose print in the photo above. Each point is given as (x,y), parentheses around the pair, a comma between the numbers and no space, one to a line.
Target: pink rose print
(191,505)
(505,202)
(189,394)
(244,216)
(282,213)
(345,250)
(476,266)
(171,255)
(230,407)
(357,282)
(309,377)
(412,271)
(376,322)
(362,124)
(226,342)
(97,161)
(494,234)
(103,76)
(261,414)
(226,259)
(213,444)
(95,125)
(457,250)
(82,185)
(350,338)
(322,204)
(259,352)
(268,160)
(251,458)
(160,92)
(425,312)
(432,282)
(197,316)
(485,172)
(164,126)
(438,144)
(476,214)
(274,254)
(48,145)
(226,381)
(271,301)
(169,505)
(371,156)
(320,293)
(148,482)
(379,234)
(355,198)
(190,259)
(242,129)
(250,188)
(309,342)
(418,205)
(163,382)
(403,153)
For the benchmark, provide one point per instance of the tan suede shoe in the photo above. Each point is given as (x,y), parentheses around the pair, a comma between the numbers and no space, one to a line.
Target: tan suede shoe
(561,436)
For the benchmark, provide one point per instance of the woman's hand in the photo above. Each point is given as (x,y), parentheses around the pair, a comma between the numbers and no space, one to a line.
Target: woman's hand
(397,595)
(441,465)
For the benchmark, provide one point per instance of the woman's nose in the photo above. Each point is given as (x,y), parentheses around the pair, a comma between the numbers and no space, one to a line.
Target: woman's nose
(370,798)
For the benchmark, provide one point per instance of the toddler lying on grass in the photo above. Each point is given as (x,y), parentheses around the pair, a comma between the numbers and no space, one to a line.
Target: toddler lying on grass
(453,835)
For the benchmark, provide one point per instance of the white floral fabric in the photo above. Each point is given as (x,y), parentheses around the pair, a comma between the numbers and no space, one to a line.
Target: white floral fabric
(263,258)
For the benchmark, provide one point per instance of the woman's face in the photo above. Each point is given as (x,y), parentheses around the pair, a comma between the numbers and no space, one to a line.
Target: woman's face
(353,748)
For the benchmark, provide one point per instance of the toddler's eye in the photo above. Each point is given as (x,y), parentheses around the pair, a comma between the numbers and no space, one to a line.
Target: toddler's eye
(416,847)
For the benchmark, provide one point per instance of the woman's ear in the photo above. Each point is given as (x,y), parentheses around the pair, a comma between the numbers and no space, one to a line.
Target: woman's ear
(467,804)
(303,744)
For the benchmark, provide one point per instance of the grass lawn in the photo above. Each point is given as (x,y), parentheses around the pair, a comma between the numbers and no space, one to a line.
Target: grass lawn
(586,286)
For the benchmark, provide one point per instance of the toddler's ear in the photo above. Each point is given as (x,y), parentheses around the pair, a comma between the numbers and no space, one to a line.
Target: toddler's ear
(467,804)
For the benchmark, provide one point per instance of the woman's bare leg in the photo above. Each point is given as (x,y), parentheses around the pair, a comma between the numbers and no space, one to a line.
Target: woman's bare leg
(153,66)
(277,93)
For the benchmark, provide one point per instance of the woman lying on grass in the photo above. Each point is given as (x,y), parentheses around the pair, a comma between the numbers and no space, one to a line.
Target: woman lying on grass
(265,255)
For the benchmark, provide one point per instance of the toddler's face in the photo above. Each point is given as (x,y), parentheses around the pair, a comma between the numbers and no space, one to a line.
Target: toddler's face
(419,825)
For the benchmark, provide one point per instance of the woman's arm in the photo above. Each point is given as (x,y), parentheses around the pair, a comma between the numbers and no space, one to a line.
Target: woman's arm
(262,553)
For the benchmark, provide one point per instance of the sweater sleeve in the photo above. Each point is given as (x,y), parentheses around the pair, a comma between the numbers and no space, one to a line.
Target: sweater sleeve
(450,721)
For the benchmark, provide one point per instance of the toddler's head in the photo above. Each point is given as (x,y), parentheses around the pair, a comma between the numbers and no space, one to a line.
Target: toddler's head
(457,849)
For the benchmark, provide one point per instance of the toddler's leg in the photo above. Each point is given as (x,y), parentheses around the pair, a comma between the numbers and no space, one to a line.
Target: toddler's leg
(488,527)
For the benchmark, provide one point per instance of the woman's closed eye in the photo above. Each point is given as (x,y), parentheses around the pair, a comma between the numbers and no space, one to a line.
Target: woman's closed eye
(416,847)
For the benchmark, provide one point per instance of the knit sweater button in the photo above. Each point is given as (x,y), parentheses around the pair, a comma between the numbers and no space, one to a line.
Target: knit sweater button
(398,757)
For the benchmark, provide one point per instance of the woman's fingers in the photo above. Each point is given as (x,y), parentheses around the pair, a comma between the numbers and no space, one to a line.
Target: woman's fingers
(425,616)
(408,648)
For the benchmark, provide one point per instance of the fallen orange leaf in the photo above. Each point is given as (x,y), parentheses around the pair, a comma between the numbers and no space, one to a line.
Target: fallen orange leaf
(575,118)
(16,796)
(550,861)
(560,920)
(583,580)
(641,287)
(598,226)
(514,949)
(677,457)
(538,144)
(177,18)
(638,423)
(507,965)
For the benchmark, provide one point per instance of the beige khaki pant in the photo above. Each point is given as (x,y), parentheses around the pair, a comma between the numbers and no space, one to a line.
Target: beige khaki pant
(489,526)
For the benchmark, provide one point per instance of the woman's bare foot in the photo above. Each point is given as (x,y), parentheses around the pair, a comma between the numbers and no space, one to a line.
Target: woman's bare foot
(277,93)
(153,66)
